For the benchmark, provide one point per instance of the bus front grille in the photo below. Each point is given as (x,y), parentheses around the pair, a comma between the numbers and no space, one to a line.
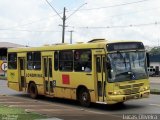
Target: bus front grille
(125,87)
(138,85)
(131,91)
(131,86)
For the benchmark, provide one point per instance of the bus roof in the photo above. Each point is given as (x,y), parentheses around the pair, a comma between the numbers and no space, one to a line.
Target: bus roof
(95,43)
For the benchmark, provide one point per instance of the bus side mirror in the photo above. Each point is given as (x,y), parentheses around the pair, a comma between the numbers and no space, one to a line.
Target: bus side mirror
(148,61)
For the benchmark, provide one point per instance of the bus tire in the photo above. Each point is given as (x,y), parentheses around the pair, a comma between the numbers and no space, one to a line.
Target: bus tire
(33,92)
(84,97)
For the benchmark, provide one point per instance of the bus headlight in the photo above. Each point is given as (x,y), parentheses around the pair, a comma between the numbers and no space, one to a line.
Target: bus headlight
(116,92)
(145,88)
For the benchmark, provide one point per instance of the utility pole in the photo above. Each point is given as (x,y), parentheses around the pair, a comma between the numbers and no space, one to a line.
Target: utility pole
(71,36)
(63,26)
(64,17)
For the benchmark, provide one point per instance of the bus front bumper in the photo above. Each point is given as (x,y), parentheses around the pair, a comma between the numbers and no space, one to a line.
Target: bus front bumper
(112,99)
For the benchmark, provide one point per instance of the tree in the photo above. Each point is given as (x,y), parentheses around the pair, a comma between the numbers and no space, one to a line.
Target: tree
(155,51)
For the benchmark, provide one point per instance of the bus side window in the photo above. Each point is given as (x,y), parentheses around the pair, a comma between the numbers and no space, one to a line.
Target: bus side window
(12,61)
(66,60)
(34,60)
(56,61)
(82,60)
(77,63)
(37,61)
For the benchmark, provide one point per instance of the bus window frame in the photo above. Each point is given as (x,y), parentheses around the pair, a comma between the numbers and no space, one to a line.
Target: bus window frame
(84,64)
(56,60)
(62,62)
(10,62)
(34,60)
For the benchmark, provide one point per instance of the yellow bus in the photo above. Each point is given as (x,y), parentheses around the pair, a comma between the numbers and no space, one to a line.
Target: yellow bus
(98,71)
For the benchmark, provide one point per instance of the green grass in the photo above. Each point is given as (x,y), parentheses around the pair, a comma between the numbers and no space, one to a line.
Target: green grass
(155,91)
(3,77)
(17,114)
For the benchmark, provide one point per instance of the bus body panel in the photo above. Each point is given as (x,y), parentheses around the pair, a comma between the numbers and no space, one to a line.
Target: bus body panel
(13,79)
(64,84)
(128,90)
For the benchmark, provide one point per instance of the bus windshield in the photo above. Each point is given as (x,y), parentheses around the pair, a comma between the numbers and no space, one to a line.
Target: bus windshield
(127,66)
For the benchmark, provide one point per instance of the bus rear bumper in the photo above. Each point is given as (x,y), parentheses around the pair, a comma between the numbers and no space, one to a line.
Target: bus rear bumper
(112,99)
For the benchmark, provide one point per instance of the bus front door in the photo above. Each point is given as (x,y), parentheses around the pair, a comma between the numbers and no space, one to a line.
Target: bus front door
(48,85)
(101,78)
(22,74)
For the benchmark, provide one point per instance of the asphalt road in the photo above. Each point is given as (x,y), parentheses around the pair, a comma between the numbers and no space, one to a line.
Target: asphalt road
(5,90)
(155,82)
(71,110)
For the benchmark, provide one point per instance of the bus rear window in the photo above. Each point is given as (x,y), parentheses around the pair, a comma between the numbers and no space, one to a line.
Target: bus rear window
(12,61)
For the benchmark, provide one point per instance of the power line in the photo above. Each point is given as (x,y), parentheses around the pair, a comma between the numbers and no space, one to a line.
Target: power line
(138,11)
(121,26)
(29,23)
(117,5)
(32,22)
(76,10)
(25,30)
(64,18)
(54,9)
(10,38)
(99,27)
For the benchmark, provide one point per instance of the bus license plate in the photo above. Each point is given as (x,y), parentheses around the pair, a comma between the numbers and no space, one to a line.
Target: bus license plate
(132,97)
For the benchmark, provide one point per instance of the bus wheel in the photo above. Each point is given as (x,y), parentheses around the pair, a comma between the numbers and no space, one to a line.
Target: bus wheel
(33,90)
(84,97)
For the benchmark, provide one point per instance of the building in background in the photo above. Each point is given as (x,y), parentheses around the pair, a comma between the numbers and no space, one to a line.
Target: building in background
(155,63)
(3,55)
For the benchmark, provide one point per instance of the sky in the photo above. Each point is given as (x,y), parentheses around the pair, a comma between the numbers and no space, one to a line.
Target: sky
(35,23)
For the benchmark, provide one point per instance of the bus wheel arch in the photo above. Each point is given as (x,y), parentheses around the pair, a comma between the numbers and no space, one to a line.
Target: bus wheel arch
(32,90)
(83,96)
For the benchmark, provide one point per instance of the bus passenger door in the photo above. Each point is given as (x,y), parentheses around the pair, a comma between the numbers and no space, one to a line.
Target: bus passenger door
(101,78)
(22,74)
(47,66)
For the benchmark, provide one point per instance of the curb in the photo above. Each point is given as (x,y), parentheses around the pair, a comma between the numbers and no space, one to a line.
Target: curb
(155,91)
(3,78)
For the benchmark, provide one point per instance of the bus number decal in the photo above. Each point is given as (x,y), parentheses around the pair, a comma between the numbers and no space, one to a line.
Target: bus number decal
(65,79)
(33,75)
